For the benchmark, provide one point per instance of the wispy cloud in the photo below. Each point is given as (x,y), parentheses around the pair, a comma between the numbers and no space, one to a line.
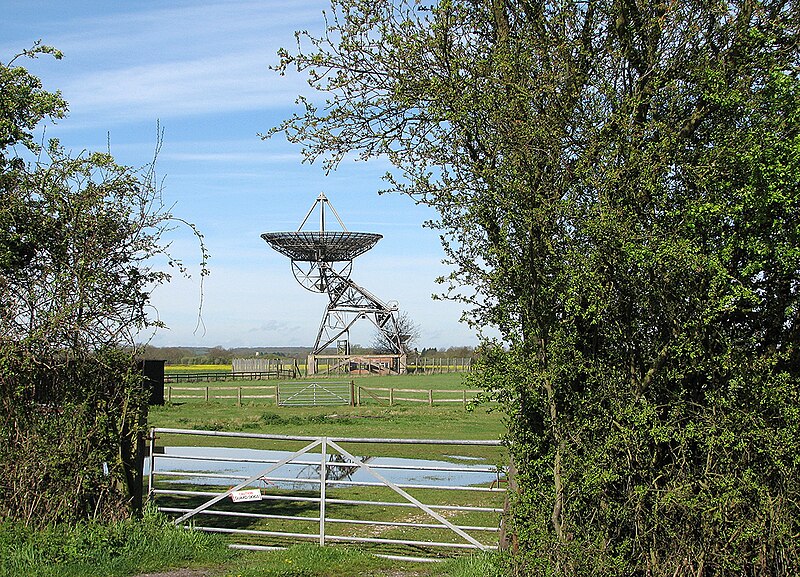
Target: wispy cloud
(233,82)
(234,157)
(192,59)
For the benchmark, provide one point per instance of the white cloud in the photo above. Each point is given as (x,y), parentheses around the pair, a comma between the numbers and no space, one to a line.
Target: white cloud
(195,58)
(234,157)
(232,82)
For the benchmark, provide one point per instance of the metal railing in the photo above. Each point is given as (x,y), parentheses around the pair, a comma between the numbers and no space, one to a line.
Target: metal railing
(340,493)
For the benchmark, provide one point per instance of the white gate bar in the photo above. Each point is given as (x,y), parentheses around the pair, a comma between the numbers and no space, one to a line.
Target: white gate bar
(343,539)
(242,514)
(390,557)
(407,524)
(327,519)
(410,542)
(429,487)
(343,465)
(392,504)
(152,464)
(252,532)
(337,501)
(205,475)
(323,476)
(408,497)
(482,442)
(245,483)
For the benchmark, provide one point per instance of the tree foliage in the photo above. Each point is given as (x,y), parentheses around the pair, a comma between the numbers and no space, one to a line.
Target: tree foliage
(80,243)
(23,102)
(619,188)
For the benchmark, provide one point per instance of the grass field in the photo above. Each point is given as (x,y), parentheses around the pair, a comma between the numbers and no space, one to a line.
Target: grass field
(451,421)
(417,421)
(133,547)
(151,545)
(197,368)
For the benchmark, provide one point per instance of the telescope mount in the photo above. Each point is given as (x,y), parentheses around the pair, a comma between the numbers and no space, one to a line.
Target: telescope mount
(322,262)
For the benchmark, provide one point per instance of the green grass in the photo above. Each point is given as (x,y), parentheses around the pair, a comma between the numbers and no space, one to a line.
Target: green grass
(373,390)
(313,561)
(113,549)
(408,421)
(197,368)
(133,547)
(129,548)
(414,420)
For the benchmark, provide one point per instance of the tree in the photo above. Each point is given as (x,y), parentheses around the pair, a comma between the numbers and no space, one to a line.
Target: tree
(408,330)
(24,102)
(619,189)
(79,247)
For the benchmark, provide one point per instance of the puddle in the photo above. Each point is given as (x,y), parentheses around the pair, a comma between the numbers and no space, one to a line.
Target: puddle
(231,466)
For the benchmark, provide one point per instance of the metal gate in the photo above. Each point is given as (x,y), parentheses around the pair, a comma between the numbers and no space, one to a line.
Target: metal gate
(267,509)
(315,394)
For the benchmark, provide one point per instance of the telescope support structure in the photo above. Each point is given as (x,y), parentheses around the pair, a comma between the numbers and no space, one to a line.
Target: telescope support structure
(350,303)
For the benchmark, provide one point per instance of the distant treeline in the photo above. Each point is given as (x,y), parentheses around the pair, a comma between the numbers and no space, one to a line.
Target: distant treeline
(223,356)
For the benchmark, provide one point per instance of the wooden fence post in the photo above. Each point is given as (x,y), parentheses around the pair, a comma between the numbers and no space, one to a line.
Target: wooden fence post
(391,397)
(206,393)
(239,396)
(352,394)
(430,397)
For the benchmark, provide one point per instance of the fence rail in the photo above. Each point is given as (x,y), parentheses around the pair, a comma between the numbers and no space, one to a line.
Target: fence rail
(438,365)
(304,393)
(341,496)
(222,376)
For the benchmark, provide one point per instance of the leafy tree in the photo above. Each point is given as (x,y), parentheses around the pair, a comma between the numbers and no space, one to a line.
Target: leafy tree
(619,188)
(79,247)
(23,101)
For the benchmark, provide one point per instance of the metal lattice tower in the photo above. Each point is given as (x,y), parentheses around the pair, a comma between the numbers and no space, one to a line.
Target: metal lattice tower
(322,262)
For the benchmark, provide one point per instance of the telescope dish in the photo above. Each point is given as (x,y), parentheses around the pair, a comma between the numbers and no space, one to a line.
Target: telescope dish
(321,262)
(318,256)
(321,246)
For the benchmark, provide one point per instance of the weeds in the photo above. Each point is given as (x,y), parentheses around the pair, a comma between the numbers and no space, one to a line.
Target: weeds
(112,549)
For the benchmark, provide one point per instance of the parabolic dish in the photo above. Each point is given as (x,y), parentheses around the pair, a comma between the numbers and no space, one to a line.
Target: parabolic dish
(322,246)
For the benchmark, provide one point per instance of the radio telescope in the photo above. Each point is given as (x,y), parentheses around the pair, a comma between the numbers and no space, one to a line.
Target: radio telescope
(322,262)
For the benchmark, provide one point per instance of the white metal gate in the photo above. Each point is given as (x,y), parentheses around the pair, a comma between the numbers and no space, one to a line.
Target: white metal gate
(334,467)
(315,394)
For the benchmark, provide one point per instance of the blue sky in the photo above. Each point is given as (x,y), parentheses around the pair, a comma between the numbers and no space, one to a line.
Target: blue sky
(201,70)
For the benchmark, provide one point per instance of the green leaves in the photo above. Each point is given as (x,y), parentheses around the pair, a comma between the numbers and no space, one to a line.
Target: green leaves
(617,184)
(80,241)
(23,102)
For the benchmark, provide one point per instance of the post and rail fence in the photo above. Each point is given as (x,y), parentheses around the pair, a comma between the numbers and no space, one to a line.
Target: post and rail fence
(268,369)
(324,392)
